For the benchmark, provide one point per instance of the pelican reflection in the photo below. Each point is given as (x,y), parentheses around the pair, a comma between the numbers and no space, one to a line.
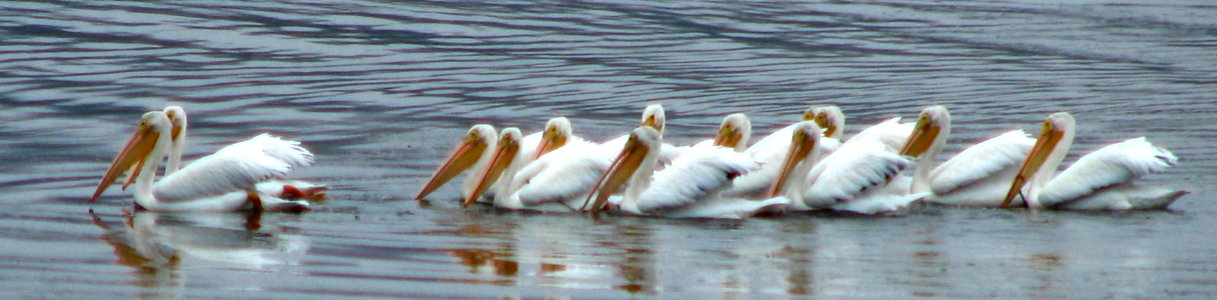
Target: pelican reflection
(157,245)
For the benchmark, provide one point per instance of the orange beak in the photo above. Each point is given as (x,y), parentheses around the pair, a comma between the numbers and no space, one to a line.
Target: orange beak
(800,147)
(923,136)
(549,142)
(727,137)
(1047,141)
(503,156)
(623,167)
(131,159)
(462,158)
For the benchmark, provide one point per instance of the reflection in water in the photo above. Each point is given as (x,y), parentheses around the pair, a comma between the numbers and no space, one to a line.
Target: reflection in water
(483,261)
(799,259)
(157,245)
(637,260)
(531,252)
(929,264)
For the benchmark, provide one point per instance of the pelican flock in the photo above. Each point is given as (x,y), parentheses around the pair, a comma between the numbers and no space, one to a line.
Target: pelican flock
(809,165)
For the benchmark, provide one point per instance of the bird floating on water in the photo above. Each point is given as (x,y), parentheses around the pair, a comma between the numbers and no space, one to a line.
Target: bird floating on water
(224,181)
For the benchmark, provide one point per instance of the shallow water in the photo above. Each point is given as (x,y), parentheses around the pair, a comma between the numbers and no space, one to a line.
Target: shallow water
(381,91)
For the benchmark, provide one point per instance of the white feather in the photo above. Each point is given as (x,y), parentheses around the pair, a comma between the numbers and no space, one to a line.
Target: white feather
(1114,165)
(890,133)
(982,161)
(564,175)
(850,172)
(237,167)
(701,173)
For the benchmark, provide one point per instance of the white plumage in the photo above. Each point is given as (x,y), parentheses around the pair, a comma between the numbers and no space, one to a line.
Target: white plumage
(855,178)
(1116,165)
(236,167)
(559,180)
(699,174)
(890,133)
(998,155)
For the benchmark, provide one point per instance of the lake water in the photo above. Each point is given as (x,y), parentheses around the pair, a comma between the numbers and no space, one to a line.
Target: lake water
(381,91)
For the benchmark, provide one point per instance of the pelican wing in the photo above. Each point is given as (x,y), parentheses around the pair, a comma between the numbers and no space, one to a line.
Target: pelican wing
(699,174)
(237,167)
(528,144)
(851,171)
(891,133)
(773,146)
(1113,165)
(981,161)
(567,173)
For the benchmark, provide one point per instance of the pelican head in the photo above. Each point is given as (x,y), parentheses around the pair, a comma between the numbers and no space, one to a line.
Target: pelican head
(141,148)
(828,117)
(653,116)
(467,153)
(644,141)
(802,147)
(504,154)
(557,132)
(177,116)
(734,132)
(933,123)
(1050,148)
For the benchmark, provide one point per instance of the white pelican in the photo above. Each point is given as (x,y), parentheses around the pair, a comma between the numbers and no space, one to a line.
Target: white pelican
(556,134)
(561,179)
(224,181)
(978,176)
(470,153)
(286,189)
(770,151)
(1101,180)
(854,177)
(733,133)
(689,188)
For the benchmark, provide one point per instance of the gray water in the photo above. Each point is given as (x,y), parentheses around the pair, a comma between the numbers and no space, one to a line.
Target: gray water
(381,91)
